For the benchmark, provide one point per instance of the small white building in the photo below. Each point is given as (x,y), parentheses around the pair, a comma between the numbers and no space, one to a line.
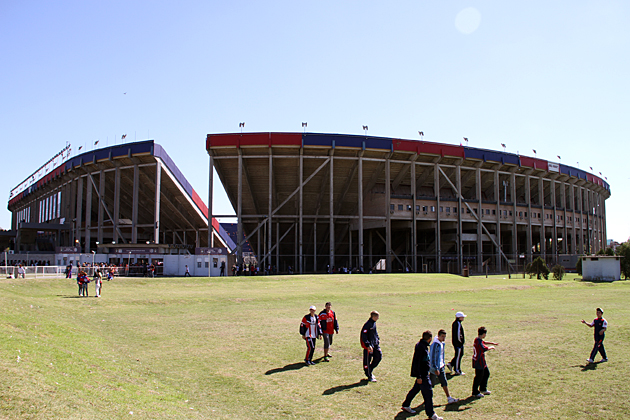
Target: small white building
(601,268)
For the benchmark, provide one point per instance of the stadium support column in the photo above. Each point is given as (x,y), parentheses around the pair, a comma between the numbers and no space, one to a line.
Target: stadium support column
(414,221)
(479,230)
(88,218)
(270,205)
(580,230)
(116,202)
(79,213)
(438,236)
(239,211)
(460,244)
(301,210)
(514,226)
(331,217)
(573,220)
(542,236)
(554,231)
(528,197)
(360,192)
(156,214)
(388,225)
(101,194)
(497,197)
(210,200)
(134,204)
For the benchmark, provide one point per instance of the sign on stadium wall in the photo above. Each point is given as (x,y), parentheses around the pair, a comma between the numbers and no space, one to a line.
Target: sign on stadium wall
(553,167)
(43,170)
(211,251)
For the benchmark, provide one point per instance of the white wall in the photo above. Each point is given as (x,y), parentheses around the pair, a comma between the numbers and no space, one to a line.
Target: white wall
(175,265)
(601,268)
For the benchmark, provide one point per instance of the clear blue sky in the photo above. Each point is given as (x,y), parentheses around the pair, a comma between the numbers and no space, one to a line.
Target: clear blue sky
(550,76)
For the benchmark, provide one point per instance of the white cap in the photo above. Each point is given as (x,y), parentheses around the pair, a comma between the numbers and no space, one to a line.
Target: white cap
(312,307)
(460,315)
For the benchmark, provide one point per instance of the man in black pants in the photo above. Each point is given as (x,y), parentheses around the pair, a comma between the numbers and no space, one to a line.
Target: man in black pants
(420,368)
(372,354)
(457,336)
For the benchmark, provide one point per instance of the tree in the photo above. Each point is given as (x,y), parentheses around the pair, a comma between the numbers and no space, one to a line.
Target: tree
(623,251)
(578,266)
(607,251)
(537,268)
(558,272)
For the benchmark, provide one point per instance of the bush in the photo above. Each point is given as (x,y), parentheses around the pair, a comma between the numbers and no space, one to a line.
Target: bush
(558,272)
(537,268)
(623,250)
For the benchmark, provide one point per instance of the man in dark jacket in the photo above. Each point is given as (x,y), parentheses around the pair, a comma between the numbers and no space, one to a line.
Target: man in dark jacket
(420,369)
(372,354)
(457,336)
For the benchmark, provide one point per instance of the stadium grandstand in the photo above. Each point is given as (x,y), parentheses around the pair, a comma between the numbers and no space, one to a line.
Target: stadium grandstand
(318,202)
(129,201)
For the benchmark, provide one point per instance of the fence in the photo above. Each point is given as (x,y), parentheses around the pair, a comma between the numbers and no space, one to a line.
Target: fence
(37,271)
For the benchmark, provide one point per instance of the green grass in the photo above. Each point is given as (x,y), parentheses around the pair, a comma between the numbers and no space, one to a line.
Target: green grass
(230,347)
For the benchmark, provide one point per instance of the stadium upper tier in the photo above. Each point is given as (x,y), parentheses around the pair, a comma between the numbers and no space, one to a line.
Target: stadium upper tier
(385,144)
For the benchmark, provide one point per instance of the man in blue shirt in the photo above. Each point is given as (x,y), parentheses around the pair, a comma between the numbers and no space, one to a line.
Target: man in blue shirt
(436,357)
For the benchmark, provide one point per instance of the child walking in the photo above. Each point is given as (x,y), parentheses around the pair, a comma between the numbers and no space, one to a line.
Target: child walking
(482,373)
(600,325)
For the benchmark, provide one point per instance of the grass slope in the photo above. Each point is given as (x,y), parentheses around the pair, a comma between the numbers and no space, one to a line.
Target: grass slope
(230,348)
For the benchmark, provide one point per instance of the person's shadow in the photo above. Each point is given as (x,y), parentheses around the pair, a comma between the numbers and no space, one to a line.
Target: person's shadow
(330,391)
(292,366)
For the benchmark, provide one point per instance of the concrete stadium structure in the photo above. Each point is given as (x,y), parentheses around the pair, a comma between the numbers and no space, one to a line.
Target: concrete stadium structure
(119,200)
(316,201)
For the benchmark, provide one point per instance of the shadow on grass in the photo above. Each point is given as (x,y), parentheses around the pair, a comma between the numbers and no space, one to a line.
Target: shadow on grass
(458,405)
(73,297)
(587,367)
(454,407)
(292,366)
(330,391)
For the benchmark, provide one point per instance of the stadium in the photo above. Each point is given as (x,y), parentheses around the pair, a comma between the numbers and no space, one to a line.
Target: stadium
(315,203)
(127,203)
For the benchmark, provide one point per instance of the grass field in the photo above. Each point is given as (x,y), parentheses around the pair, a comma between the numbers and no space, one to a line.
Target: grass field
(230,347)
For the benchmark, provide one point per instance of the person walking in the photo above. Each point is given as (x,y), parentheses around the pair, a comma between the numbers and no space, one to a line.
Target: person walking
(420,368)
(436,357)
(329,326)
(372,354)
(600,325)
(458,340)
(187,272)
(98,282)
(482,373)
(222,273)
(310,331)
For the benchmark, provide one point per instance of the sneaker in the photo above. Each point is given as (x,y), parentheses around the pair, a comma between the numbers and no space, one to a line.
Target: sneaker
(307,362)
(480,395)
(372,379)
(603,360)
(589,360)
(486,392)
(436,417)
(409,410)
(328,355)
(449,367)
(452,400)
(311,362)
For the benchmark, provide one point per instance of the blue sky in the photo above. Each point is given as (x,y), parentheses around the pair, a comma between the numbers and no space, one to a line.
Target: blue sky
(550,76)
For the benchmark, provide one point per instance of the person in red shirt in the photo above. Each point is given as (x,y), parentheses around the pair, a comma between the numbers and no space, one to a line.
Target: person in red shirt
(329,326)
(480,383)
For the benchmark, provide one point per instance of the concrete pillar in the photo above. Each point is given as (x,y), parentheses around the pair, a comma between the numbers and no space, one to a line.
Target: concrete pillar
(497,197)
(414,221)
(438,229)
(134,204)
(269,205)
(300,215)
(460,244)
(79,212)
(479,228)
(101,211)
(88,218)
(210,200)
(360,204)
(388,225)
(331,216)
(116,214)
(156,214)
(239,211)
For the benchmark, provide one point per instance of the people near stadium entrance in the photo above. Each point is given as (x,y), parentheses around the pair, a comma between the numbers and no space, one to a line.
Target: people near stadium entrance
(600,325)
(187,272)
(21,271)
(455,365)
(480,383)
(233,269)
(69,270)
(420,369)
(329,326)
(152,271)
(82,281)
(222,268)
(370,342)
(436,356)
(310,332)
(98,282)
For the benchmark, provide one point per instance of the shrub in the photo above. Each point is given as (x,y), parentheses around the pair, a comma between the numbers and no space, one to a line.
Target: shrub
(537,268)
(558,272)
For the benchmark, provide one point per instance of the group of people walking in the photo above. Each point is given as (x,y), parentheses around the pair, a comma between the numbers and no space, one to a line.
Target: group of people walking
(314,326)
(83,280)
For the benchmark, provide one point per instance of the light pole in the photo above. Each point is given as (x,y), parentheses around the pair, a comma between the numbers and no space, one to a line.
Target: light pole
(93,255)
